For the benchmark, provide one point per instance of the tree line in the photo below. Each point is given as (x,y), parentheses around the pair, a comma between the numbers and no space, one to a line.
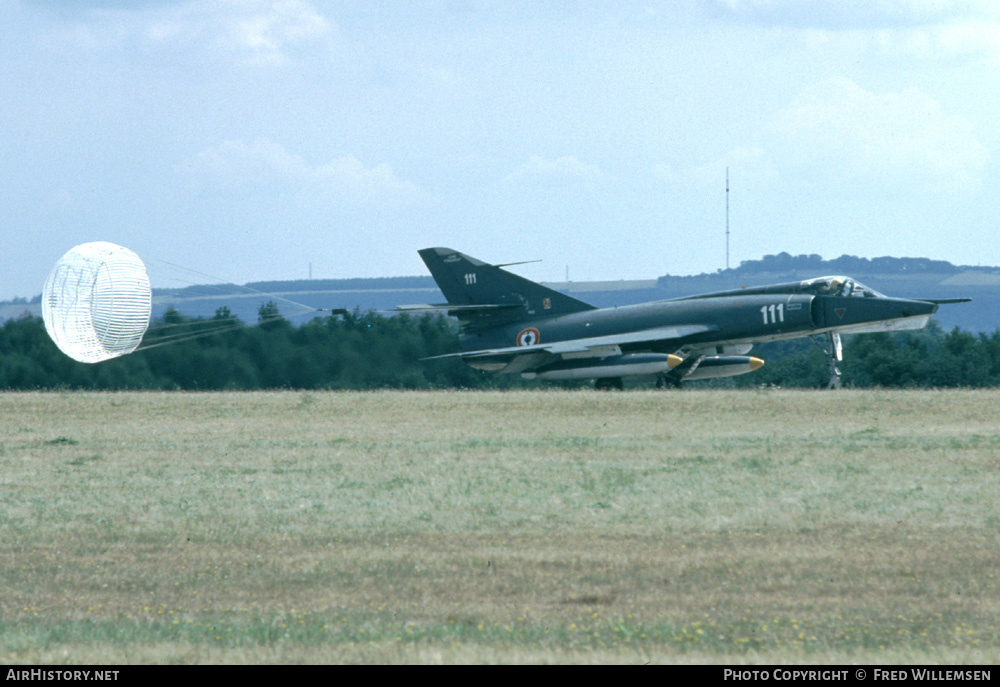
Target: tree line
(356,351)
(372,351)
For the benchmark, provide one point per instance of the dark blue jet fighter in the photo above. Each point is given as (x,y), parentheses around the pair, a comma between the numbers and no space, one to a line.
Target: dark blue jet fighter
(515,326)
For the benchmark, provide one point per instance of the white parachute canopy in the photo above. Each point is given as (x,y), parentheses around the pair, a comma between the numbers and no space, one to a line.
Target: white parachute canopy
(97,302)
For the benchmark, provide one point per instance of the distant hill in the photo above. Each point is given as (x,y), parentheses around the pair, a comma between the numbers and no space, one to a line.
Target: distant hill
(905,277)
(845,264)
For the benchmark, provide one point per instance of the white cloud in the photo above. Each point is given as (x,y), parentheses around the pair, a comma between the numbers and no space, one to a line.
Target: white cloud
(347,175)
(961,39)
(564,170)
(931,30)
(267,31)
(868,14)
(749,166)
(257,31)
(905,136)
(238,166)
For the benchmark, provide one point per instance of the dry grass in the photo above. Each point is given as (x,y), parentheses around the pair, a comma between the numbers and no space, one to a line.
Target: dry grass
(702,526)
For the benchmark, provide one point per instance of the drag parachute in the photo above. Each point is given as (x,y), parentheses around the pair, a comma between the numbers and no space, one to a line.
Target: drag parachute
(97,302)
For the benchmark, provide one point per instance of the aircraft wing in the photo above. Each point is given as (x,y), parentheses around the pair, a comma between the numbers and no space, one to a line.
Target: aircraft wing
(447,307)
(528,357)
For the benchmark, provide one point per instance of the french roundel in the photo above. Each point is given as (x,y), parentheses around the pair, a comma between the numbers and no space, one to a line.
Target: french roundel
(528,337)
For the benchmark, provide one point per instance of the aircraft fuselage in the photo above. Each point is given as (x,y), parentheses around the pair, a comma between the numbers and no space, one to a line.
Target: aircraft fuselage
(727,320)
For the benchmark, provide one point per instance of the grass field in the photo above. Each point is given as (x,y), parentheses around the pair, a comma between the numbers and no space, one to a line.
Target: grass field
(542,526)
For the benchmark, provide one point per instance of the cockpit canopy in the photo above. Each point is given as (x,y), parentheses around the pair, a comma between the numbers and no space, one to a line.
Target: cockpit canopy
(838,286)
(821,286)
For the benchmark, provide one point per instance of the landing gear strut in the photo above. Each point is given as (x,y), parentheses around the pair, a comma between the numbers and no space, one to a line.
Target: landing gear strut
(668,381)
(835,355)
(673,378)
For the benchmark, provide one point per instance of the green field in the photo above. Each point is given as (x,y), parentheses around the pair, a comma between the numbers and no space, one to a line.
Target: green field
(501,527)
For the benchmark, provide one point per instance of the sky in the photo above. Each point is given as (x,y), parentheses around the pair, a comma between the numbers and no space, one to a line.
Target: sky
(256,140)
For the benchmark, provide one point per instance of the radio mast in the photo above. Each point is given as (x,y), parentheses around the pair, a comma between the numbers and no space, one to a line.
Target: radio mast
(727,218)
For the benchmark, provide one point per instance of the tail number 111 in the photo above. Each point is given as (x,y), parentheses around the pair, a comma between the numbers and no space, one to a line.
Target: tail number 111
(773,313)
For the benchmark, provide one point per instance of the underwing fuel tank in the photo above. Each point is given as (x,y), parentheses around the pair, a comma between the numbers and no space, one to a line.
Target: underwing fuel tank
(616,366)
(725,366)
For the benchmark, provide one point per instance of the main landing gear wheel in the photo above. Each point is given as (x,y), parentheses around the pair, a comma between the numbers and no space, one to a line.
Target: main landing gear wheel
(609,384)
(668,381)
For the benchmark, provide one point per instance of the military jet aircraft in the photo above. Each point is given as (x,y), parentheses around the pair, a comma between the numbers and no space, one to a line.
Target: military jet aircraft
(512,325)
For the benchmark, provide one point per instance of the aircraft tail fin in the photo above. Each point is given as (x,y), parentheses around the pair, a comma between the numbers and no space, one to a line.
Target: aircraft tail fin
(495,295)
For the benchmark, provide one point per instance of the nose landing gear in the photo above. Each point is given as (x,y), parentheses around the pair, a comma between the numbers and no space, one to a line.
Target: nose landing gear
(835,354)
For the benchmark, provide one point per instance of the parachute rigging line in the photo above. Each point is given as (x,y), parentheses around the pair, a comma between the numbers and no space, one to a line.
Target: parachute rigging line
(199,328)
(225,282)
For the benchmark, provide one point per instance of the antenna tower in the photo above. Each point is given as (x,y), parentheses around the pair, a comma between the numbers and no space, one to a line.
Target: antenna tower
(727,218)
